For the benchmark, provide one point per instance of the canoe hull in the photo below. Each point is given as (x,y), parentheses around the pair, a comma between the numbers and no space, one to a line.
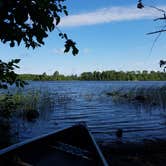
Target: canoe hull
(72,146)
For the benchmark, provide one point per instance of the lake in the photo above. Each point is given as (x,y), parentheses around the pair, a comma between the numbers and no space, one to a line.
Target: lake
(75,101)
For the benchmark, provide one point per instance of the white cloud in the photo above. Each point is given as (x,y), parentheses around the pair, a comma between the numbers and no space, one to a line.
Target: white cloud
(107,15)
(58,51)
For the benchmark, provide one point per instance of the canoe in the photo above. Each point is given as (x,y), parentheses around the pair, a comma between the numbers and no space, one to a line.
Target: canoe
(71,146)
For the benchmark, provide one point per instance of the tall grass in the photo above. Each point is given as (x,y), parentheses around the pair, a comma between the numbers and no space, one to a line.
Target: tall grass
(31,103)
(25,104)
(154,96)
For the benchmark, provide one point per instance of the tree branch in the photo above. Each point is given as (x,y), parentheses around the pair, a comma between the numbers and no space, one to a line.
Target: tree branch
(161,18)
(160,31)
(161,10)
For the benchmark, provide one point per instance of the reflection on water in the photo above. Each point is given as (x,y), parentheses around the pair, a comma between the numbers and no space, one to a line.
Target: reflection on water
(72,102)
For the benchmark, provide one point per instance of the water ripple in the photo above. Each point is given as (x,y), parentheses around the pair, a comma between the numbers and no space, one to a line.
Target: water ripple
(87,101)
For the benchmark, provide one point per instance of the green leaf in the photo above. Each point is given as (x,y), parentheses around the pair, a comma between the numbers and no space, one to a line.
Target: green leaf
(16,60)
(67,49)
(57,20)
(64,7)
(140,5)
(66,12)
(75,51)
(12,44)
(65,36)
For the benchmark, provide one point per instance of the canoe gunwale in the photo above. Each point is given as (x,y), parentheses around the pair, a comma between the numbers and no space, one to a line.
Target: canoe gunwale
(46,138)
(97,147)
(31,140)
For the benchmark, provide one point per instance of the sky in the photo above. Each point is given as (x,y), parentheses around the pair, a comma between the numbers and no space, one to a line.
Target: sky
(110,35)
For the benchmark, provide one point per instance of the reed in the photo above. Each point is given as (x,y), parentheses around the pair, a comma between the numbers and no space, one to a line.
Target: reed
(154,96)
(25,104)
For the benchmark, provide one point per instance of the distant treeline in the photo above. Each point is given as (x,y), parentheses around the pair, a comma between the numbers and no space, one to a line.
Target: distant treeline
(111,75)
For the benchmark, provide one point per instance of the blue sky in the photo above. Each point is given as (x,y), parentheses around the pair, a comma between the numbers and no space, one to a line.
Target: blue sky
(110,34)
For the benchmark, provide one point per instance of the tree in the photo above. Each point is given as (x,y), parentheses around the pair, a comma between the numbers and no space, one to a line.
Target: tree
(30,21)
(162,18)
(163,29)
(56,74)
(8,76)
(163,64)
(44,74)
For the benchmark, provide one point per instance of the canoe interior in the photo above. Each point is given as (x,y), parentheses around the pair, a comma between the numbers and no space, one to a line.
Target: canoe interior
(71,146)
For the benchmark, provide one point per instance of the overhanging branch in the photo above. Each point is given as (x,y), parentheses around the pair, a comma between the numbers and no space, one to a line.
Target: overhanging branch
(160,31)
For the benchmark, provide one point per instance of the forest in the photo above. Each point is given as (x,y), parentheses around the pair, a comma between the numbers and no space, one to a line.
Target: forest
(111,75)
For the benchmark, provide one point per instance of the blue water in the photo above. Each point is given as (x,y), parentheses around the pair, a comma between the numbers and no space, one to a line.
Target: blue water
(76,101)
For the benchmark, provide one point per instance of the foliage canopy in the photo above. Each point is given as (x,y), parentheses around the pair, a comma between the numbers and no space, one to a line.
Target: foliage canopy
(30,21)
(8,76)
(110,75)
(140,5)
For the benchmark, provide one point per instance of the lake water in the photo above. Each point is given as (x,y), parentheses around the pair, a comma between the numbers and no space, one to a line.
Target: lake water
(76,101)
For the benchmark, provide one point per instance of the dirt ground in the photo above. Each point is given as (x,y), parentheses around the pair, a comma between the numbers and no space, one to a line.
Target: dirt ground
(149,153)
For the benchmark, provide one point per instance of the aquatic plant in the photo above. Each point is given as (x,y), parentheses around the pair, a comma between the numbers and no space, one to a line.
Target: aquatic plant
(7,105)
(25,104)
(31,103)
(153,96)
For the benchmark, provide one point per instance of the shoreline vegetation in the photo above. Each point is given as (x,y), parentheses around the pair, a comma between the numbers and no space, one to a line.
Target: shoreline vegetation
(24,106)
(151,96)
(111,75)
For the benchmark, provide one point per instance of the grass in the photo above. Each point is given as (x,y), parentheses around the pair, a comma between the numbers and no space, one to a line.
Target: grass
(24,104)
(154,96)
(32,103)
(27,106)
